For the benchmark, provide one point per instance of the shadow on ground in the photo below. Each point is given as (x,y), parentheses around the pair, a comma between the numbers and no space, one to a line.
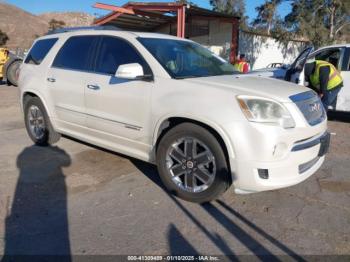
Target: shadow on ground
(339,116)
(179,245)
(38,223)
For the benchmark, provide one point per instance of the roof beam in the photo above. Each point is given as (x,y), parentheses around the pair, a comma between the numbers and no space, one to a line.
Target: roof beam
(106,19)
(114,8)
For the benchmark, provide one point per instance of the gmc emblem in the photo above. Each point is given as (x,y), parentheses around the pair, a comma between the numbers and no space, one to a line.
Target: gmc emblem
(315,107)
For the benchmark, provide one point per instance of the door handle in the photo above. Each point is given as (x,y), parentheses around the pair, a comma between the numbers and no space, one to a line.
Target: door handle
(52,80)
(93,87)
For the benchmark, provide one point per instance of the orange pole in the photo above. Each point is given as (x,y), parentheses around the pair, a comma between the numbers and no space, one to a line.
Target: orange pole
(181,20)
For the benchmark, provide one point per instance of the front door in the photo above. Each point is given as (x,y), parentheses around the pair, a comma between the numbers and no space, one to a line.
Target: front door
(117,107)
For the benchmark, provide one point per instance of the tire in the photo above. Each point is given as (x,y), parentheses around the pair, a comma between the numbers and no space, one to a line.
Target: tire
(11,72)
(207,157)
(34,111)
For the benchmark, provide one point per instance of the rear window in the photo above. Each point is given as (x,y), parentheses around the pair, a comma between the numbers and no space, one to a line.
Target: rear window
(76,53)
(39,51)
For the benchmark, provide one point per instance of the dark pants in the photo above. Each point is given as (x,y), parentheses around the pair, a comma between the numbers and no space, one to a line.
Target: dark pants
(330,98)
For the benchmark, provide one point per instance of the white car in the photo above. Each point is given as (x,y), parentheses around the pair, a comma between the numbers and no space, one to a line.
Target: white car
(172,102)
(338,55)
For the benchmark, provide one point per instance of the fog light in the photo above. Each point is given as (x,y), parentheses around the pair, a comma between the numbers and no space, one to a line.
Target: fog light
(263,173)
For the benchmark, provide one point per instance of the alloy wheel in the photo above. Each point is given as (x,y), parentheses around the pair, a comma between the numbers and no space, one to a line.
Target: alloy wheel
(36,122)
(191,164)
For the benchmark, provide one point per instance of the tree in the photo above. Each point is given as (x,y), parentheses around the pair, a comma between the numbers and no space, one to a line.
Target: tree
(56,24)
(231,7)
(320,21)
(3,38)
(267,15)
(185,2)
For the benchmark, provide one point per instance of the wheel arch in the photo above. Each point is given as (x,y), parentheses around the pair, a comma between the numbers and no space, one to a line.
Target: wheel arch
(167,123)
(32,93)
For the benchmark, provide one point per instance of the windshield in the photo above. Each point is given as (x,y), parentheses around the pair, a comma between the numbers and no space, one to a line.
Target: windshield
(185,59)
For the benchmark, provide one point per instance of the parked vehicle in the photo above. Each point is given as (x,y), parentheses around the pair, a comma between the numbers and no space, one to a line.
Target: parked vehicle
(338,55)
(4,56)
(9,64)
(172,102)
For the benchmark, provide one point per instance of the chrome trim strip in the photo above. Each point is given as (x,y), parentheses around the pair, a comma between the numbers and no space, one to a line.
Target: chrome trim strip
(126,125)
(309,144)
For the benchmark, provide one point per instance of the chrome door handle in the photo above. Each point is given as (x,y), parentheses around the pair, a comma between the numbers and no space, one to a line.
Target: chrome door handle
(93,87)
(52,80)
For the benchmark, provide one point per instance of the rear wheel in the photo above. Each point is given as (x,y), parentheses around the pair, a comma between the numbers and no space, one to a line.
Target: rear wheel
(11,74)
(192,164)
(38,124)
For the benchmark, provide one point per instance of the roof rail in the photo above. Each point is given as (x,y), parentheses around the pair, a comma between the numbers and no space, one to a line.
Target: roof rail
(81,28)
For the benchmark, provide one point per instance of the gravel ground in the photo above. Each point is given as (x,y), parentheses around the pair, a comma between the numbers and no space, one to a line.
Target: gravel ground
(76,199)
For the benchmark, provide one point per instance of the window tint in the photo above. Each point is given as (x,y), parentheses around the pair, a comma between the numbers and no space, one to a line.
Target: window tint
(330,55)
(76,53)
(114,52)
(39,51)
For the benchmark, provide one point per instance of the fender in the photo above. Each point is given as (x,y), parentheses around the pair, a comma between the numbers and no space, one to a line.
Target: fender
(205,121)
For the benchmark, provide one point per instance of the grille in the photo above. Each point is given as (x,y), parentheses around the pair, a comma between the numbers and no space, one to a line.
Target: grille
(311,107)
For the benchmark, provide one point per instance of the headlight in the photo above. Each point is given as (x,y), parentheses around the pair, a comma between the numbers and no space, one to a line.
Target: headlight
(263,110)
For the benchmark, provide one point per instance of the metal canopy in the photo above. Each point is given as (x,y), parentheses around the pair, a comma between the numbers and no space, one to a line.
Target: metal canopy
(150,16)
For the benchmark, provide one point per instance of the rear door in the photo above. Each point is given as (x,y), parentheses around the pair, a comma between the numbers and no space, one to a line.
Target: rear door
(66,80)
(118,107)
(343,100)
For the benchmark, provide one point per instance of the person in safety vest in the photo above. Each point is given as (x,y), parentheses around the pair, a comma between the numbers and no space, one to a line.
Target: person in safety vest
(241,64)
(325,79)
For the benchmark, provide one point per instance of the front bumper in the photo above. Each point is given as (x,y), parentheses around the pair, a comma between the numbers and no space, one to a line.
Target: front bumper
(288,156)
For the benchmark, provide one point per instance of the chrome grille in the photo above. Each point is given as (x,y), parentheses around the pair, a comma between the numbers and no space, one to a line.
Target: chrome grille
(311,106)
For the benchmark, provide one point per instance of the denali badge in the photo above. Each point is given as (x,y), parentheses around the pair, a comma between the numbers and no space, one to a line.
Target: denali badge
(315,107)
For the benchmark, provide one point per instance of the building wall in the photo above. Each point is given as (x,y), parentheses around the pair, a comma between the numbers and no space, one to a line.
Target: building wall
(262,50)
(259,50)
(219,38)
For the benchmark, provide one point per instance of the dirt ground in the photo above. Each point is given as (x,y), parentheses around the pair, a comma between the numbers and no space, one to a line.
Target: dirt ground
(76,199)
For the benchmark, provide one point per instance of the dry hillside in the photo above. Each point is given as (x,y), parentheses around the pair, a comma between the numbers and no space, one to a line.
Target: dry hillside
(23,27)
(20,26)
(70,18)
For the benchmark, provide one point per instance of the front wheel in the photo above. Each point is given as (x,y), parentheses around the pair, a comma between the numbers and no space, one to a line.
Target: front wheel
(38,124)
(192,164)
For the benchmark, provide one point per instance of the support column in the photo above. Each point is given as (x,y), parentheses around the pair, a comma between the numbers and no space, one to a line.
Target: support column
(181,15)
(234,40)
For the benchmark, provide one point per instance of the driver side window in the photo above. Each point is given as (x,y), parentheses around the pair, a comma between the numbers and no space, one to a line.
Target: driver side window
(114,52)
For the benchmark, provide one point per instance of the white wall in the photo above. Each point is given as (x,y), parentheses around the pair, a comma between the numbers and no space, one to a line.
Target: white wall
(262,50)
(259,50)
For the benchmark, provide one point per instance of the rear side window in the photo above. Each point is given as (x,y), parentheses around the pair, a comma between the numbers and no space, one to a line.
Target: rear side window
(76,53)
(114,52)
(39,51)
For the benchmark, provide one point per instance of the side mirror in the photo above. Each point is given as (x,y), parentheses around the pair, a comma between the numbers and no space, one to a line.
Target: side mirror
(133,71)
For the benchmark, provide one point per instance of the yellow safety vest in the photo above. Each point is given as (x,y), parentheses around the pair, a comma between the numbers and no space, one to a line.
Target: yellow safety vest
(335,78)
(239,66)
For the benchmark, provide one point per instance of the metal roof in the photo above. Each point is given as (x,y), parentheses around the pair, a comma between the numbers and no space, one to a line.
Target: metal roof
(148,20)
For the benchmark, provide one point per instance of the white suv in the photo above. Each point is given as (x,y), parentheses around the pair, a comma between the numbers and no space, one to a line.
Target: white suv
(170,101)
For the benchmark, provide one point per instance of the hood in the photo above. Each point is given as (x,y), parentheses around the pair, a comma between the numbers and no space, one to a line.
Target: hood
(278,73)
(252,85)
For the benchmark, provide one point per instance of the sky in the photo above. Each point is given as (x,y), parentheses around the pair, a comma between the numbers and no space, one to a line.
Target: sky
(42,6)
